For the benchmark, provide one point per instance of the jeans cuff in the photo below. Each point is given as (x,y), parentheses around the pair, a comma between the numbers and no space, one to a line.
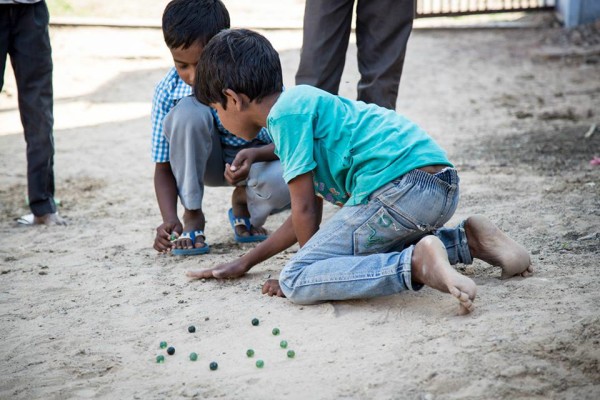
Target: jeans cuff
(405,270)
(464,254)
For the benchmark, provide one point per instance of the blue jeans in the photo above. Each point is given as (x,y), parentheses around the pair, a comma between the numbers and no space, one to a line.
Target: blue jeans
(365,250)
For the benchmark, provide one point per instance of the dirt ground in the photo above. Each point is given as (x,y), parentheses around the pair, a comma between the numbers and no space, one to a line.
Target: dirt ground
(83,308)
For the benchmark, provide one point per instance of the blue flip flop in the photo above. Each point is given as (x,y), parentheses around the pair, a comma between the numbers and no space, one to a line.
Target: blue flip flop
(237,221)
(196,250)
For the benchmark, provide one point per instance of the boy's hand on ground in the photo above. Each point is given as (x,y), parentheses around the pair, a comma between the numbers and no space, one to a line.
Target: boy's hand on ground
(233,269)
(162,241)
(272,288)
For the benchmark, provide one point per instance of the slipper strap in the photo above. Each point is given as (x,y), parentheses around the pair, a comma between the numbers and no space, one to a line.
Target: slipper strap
(240,222)
(192,235)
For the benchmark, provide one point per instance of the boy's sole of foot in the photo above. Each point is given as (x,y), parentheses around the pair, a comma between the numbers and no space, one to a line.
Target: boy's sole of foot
(430,267)
(488,243)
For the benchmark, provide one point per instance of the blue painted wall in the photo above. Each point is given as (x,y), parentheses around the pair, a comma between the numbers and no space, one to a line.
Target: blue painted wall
(578,12)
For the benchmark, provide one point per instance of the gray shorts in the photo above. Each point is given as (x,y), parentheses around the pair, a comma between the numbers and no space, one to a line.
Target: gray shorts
(198,158)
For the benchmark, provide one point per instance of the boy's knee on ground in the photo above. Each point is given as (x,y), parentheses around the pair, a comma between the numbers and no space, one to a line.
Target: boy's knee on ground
(287,283)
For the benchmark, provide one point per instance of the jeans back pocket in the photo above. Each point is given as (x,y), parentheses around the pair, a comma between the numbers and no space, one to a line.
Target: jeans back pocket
(383,232)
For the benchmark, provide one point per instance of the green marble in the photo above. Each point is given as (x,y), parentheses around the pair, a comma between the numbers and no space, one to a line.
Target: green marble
(213,366)
(250,353)
(291,354)
(260,363)
(283,344)
(163,345)
(276,331)
(193,356)
(255,321)
(160,359)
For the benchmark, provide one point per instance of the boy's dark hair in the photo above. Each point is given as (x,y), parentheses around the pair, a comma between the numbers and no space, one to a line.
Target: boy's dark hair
(186,22)
(241,60)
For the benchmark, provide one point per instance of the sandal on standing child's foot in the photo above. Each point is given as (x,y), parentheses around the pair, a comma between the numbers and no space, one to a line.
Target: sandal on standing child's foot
(196,250)
(243,221)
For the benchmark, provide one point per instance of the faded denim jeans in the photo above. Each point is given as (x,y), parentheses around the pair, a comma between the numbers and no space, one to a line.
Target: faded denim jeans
(365,250)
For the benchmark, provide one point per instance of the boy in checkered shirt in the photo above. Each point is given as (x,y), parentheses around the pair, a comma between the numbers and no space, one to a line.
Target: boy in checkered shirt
(191,148)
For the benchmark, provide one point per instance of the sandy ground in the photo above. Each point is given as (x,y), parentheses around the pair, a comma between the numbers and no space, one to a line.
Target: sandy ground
(83,308)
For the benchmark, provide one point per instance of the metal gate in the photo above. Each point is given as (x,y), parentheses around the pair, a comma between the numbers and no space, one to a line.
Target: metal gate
(445,8)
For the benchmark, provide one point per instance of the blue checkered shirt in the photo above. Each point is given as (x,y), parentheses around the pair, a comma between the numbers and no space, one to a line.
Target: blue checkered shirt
(167,93)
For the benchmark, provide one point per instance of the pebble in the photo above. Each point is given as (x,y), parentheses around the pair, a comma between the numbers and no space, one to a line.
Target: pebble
(171,350)
(193,356)
(213,366)
(191,329)
(275,331)
(260,363)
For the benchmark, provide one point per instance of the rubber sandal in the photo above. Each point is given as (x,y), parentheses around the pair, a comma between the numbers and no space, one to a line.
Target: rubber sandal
(238,221)
(196,250)
(26,219)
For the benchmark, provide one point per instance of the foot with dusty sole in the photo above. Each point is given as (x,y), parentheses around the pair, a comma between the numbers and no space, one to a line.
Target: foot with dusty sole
(430,267)
(488,243)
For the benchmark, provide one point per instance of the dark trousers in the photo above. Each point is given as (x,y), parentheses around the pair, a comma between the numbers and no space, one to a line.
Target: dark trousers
(382,31)
(24,37)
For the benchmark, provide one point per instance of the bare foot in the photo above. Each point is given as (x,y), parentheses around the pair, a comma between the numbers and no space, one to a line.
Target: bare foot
(430,267)
(271,287)
(490,244)
(49,219)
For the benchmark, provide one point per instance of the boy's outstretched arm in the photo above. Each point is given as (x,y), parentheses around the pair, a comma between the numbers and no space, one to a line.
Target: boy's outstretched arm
(165,188)
(240,166)
(277,242)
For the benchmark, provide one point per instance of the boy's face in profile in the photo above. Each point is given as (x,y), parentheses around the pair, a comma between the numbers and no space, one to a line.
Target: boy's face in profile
(237,121)
(186,61)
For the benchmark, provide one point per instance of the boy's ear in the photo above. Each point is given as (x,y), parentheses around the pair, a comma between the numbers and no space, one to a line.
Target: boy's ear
(234,99)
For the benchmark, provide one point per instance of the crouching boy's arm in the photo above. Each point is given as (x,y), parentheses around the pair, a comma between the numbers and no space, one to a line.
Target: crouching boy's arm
(166,196)
(277,242)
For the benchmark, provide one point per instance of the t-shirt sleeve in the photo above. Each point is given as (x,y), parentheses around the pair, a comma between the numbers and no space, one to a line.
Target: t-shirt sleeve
(161,104)
(293,136)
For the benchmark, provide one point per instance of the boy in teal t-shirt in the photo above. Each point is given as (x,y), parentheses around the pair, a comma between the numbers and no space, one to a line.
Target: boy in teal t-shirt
(349,146)
(395,184)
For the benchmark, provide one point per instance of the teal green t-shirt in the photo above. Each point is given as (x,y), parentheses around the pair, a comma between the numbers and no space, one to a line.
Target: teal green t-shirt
(352,148)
